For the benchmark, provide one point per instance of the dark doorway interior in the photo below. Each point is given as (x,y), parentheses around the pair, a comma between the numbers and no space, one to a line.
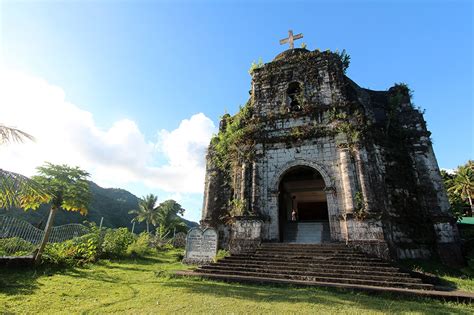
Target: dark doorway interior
(302,189)
(312,211)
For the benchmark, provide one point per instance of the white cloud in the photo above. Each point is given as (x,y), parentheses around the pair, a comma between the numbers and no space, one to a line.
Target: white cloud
(449,170)
(116,156)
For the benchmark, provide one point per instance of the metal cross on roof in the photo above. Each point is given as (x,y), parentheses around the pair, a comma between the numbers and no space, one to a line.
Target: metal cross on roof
(290,39)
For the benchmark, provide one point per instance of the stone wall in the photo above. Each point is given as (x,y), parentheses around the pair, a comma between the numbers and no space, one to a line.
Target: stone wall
(383,187)
(246,234)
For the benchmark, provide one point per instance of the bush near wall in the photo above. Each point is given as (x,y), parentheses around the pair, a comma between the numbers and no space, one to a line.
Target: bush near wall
(99,243)
(109,243)
(15,246)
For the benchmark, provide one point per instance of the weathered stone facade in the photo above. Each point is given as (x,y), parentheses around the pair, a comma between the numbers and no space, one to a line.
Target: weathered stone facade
(314,138)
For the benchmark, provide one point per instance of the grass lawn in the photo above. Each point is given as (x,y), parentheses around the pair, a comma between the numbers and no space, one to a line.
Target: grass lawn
(145,286)
(461,279)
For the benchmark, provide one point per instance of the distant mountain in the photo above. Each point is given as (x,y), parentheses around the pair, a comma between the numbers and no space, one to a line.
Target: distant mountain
(113,204)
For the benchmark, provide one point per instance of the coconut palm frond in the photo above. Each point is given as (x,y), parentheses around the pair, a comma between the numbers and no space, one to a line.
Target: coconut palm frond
(20,191)
(147,211)
(11,134)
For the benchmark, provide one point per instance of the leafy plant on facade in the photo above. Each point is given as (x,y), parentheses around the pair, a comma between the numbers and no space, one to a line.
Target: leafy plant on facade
(236,139)
(345,59)
(256,65)
(360,210)
(237,207)
(352,125)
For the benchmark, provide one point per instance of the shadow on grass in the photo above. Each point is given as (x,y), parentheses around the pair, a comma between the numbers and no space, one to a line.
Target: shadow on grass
(23,280)
(434,272)
(331,297)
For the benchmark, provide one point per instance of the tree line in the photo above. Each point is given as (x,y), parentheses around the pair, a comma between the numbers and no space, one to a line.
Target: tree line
(64,187)
(460,188)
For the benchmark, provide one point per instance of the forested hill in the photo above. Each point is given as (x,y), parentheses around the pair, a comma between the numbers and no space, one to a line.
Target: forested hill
(111,203)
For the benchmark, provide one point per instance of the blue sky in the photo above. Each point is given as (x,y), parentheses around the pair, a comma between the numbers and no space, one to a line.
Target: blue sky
(136,70)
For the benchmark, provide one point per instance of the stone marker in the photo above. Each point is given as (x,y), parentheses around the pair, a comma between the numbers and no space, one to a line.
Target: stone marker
(201,246)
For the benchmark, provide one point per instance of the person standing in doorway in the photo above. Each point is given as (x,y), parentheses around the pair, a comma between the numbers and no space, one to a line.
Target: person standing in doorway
(293,215)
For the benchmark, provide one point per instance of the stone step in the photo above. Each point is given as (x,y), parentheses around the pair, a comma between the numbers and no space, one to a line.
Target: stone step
(456,296)
(309,261)
(322,254)
(390,277)
(293,256)
(328,245)
(369,269)
(311,251)
(305,256)
(306,232)
(321,279)
(332,263)
(322,246)
(307,228)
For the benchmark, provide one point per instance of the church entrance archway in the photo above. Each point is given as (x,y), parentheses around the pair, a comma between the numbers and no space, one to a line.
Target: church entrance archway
(303,207)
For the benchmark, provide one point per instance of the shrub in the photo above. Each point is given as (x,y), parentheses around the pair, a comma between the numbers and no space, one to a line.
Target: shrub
(116,242)
(140,246)
(221,253)
(73,252)
(160,243)
(15,246)
(179,240)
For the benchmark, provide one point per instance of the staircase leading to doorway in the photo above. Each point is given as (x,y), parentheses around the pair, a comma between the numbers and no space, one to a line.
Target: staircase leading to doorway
(306,232)
(327,264)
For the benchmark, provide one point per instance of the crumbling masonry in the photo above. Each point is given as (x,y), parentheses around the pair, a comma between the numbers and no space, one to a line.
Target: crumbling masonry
(360,162)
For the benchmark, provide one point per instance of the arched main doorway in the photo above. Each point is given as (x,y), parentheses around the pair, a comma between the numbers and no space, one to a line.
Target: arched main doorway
(302,190)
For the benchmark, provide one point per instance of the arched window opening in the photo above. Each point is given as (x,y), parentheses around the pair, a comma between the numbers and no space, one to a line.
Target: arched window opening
(294,93)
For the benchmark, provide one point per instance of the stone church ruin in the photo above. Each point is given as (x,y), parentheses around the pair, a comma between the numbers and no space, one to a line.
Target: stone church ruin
(355,165)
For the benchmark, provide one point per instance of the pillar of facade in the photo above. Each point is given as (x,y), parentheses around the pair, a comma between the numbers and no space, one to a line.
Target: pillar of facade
(205,206)
(253,205)
(334,224)
(347,187)
(243,186)
(360,157)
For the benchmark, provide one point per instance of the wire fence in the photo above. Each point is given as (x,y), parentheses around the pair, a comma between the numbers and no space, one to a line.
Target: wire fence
(18,237)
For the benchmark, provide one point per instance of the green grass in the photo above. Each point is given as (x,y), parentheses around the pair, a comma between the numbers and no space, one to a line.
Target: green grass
(148,286)
(460,279)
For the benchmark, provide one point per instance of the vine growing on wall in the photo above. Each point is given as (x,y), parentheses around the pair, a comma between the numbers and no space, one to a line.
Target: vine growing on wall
(360,211)
(235,140)
(353,125)
(395,101)
(256,65)
(237,207)
(345,59)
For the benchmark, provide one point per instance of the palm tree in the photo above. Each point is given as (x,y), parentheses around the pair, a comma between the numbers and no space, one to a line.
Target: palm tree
(147,211)
(10,134)
(463,183)
(17,190)
(168,219)
(20,191)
